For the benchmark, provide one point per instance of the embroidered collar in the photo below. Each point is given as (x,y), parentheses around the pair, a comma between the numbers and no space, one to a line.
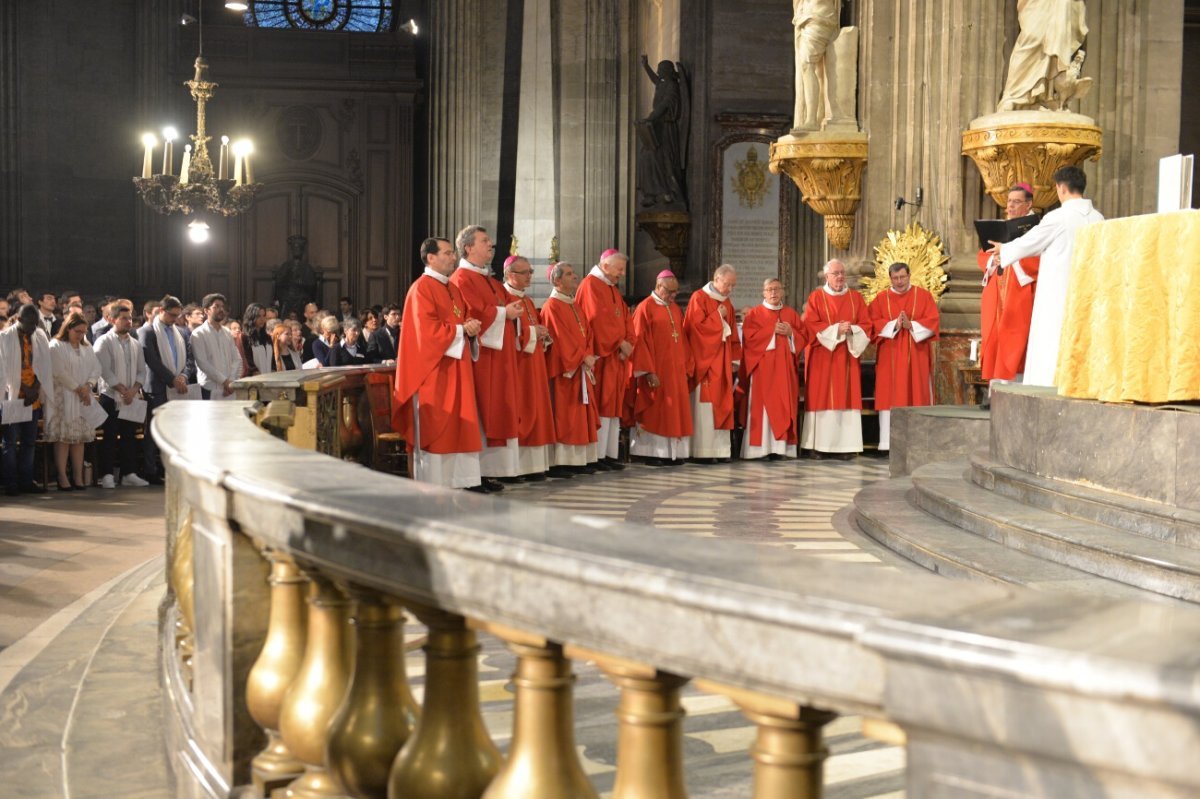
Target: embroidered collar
(598,272)
(463,263)
(833,293)
(659,300)
(711,291)
(439,277)
(558,295)
(514,289)
(778,307)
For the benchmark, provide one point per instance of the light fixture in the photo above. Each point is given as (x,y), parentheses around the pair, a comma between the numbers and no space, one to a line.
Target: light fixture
(197,187)
(198,231)
(233,5)
(410,27)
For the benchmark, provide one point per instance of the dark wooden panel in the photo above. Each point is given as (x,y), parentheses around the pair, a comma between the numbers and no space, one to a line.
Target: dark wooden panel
(379,292)
(379,210)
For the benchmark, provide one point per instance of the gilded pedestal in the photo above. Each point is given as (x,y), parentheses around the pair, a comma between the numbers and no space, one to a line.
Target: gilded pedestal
(669,229)
(275,670)
(650,732)
(1027,147)
(827,167)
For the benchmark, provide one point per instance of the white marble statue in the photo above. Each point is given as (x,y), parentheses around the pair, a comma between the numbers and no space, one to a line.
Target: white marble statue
(816,26)
(1043,71)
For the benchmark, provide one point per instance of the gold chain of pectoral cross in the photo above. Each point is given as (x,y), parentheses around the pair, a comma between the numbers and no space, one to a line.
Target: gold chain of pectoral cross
(578,321)
(671,317)
(617,302)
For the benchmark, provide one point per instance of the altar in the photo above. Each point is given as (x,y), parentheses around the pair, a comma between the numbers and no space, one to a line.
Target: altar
(1132,326)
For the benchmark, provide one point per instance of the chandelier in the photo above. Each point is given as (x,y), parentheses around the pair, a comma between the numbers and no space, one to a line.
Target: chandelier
(198,187)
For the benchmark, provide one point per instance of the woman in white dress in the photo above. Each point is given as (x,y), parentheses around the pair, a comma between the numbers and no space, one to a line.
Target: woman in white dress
(76,372)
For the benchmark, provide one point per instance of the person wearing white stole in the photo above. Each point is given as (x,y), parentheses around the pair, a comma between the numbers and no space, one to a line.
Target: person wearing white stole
(839,329)
(218,362)
(708,325)
(772,337)
(1053,240)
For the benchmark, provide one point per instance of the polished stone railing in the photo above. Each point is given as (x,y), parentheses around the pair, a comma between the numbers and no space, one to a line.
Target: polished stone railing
(283,646)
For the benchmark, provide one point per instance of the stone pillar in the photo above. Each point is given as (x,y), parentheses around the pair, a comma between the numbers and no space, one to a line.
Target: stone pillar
(454,116)
(593,121)
(10,187)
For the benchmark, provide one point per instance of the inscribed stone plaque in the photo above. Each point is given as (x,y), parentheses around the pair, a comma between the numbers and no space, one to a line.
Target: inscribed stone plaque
(749,219)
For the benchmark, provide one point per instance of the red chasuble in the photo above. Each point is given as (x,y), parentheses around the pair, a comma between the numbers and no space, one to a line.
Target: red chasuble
(902,365)
(659,348)
(775,372)
(832,378)
(449,420)
(496,370)
(713,357)
(1004,313)
(574,422)
(605,311)
(535,414)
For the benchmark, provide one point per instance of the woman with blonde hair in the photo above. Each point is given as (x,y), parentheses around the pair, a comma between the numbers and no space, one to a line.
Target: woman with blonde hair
(76,372)
(323,346)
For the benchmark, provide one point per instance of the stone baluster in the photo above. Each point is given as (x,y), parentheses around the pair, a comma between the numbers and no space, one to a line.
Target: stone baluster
(542,761)
(319,687)
(182,578)
(649,732)
(449,755)
(275,670)
(379,712)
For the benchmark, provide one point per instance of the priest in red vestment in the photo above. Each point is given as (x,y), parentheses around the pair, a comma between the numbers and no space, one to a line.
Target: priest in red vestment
(662,365)
(571,362)
(535,414)
(1006,307)
(772,338)
(434,372)
(905,321)
(839,330)
(599,300)
(496,370)
(710,327)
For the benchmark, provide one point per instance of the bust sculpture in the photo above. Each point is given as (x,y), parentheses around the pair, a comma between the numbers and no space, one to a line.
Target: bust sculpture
(816,27)
(296,280)
(1044,68)
(662,140)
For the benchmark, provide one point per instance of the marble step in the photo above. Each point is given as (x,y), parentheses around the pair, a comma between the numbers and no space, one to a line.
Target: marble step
(945,491)
(885,512)
(84,707)
(1143,517)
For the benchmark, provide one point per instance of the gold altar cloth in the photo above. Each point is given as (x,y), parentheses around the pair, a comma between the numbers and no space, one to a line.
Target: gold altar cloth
(1132,326)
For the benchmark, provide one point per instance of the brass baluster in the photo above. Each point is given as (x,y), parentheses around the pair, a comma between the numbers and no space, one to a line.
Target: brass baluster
(319,688)
(450,755)
(542,762)
(789,752)
(274,672)
(650,730)
(378,715)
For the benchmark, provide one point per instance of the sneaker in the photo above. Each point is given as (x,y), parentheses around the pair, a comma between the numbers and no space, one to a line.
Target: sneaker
(133,480)
(107,481)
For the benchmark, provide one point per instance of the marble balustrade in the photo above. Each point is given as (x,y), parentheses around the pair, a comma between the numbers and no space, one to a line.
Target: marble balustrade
(996,690)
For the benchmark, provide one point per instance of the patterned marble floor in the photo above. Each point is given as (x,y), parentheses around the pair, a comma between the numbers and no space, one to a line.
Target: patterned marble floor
(793,504)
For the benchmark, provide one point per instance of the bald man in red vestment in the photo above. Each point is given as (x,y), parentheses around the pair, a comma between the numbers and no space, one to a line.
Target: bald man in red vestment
(711,329)
(599,300)
(839,329)
(571,363)
(434,371)
(535,412)
(496,370)
(905,322)
(662,365)
(772,338)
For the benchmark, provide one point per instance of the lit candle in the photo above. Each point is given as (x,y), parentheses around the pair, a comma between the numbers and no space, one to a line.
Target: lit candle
(241,151)
(187,163)
(169,135)
(247,173)
(237,170)
(149,140)
(223,170)
(974,350)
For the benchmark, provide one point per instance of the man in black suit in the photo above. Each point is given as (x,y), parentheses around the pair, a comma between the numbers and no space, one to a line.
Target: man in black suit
(168,373)
(382,345)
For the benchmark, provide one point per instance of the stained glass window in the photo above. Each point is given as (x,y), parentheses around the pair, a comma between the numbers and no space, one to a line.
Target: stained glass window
(364,16)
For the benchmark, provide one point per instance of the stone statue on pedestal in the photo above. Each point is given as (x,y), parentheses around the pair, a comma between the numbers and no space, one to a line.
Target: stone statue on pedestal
(1043,71)
(662,140)
(296,280)
(816,26)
